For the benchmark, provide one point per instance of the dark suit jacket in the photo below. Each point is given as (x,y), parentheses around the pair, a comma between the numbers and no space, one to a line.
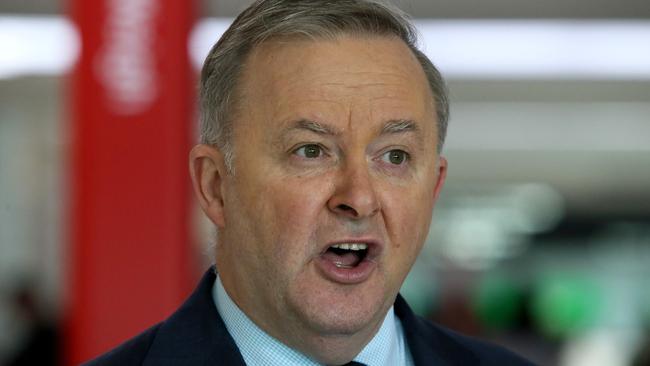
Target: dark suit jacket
(196,335)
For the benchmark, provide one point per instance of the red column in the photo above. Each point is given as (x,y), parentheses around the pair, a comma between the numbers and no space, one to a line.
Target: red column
(132,115)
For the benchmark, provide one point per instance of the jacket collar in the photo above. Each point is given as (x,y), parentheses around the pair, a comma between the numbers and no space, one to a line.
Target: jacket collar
(196,335)
(428,344)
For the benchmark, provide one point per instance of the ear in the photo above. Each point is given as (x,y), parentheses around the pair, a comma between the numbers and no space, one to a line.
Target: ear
(442,176)
(208,170)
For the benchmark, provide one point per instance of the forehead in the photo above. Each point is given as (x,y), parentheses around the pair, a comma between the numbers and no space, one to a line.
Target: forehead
(350,77)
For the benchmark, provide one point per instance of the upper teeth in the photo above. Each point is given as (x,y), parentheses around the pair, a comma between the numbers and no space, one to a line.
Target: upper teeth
(351,246)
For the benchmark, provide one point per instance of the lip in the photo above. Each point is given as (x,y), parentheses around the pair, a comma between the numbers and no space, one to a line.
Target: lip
(350,276)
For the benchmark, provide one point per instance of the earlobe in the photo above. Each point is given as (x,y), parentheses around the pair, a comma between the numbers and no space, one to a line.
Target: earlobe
(207,170)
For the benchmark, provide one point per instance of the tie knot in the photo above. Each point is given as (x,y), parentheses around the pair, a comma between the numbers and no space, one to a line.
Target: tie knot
(354,363)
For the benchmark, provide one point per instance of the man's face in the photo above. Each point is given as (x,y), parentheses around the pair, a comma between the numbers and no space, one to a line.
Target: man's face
(334,144)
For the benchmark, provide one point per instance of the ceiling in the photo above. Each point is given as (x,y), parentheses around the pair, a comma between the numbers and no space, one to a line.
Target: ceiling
(419,8)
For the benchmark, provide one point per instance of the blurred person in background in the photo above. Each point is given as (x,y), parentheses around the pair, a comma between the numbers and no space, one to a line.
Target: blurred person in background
(642,357)
(322,126)
(40,345)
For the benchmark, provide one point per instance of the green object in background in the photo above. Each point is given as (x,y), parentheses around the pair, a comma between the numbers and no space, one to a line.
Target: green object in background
(498,302)
(565,304)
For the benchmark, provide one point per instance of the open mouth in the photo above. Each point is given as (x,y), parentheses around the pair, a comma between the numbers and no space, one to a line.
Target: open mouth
(346,255)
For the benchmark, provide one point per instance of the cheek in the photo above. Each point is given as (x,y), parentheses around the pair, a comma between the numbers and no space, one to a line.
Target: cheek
(408,215)
(295,206)
(296,198)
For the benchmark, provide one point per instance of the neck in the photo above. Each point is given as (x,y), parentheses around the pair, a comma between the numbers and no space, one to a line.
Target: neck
(332,349)
(327,349)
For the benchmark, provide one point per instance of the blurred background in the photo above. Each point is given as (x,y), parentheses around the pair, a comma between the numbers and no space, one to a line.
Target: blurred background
(541,241)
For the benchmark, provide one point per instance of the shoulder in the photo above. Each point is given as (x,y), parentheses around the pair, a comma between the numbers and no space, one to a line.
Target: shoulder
(428,341)
(193,335)
(130,353)
(487,353)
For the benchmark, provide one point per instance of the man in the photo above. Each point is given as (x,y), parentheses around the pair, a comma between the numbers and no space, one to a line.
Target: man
(322,126)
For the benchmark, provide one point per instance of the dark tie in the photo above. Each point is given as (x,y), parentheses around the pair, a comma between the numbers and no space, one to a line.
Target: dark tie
(354,363)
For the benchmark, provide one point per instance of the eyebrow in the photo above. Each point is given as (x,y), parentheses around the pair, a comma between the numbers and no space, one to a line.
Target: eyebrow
(313,126)
(399,126)
(395,126)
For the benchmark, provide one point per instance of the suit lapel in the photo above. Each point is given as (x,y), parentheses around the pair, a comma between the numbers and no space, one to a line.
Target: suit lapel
(195,334)
(427,344)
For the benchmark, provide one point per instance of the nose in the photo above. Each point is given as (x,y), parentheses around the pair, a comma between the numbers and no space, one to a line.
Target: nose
(354,195)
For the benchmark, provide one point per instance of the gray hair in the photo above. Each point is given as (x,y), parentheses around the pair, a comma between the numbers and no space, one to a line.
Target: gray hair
(313,19)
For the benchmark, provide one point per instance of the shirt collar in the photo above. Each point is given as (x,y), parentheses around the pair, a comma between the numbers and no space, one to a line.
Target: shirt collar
(388,346)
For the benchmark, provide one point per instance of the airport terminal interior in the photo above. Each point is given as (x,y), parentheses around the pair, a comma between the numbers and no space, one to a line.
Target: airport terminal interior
(541,238)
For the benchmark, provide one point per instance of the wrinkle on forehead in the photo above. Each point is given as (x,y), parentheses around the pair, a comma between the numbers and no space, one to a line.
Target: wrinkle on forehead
(371,80)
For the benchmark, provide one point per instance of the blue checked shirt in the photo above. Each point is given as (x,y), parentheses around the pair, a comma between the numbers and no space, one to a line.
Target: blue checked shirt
(387,348)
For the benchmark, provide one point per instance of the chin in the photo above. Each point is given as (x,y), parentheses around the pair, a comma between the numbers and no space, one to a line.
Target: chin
(338,324)
(336,314)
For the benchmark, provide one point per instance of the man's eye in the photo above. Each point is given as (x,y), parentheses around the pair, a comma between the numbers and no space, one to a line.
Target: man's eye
(310,151)
(396,157)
